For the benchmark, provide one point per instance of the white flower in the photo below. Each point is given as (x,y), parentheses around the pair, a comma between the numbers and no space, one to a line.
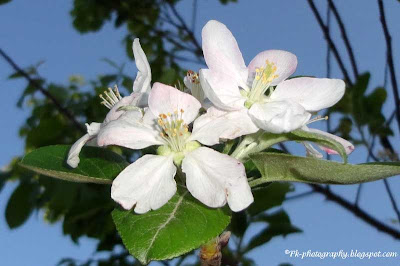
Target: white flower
(113,101)
(192,82)
(311,151)
(213,178)
(231,86)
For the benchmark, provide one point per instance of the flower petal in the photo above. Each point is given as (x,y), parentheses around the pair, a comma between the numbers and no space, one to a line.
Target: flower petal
(221,51)
(313,94)
(348,146)
(215,178)
(143,77)
(115,112)
(286,64)
(93,128)
(147,183)
(217,124)
(87,139)
(279,116)
(73,154)
(221,90)
(164,99)
(195,89)
(129,131)
(311,151)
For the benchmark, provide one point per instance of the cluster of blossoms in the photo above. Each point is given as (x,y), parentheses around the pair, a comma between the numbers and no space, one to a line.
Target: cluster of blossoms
(237,100)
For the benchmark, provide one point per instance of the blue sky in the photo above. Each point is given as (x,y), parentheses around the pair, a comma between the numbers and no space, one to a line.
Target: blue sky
(42,30)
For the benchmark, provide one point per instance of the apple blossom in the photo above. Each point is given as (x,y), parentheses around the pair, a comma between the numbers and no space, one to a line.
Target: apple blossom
(192,82)
(311,151)
(213,178)
(113,101)
(261,89)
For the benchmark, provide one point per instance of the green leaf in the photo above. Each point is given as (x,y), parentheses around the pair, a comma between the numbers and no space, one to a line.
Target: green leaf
(344,128)
(301,135)
(361,85)
(269,139)
(4,176)
(4,1)
(268,197)
(278,224)
(239,223)
(178,227)
(284,167)
(21,204)
(96,165)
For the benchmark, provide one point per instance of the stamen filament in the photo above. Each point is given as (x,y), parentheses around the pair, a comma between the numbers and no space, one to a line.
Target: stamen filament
(111,98)
(262,81)
(173,129)
(317,118)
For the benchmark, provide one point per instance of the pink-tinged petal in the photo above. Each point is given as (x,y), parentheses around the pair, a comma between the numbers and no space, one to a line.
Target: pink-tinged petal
(216,124)
(215,178)
(150,119)
(285,62)
(279,117)
(348,146)
(147,184)
(311,151)
(165,99)
(129,131)
(73,154)
(221,90)
(313,94)
(221,51)
(143,76)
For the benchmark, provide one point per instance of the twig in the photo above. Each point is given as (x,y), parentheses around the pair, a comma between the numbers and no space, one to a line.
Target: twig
(330,42)
(328,50)
(45,92)
(385,74)
(210,253)
(300,195)
(358,194)
(345,38)
(194,15)
(389,53)
(384,140)
(356,211)
(328,67)
(185,27)
(392,200)
(391,117)
(184,59)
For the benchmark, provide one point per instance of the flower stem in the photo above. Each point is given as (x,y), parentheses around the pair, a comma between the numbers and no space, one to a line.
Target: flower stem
(257,142)
(210,253)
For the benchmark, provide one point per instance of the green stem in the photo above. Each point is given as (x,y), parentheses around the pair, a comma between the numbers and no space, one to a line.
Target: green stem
(257,142)
(181,176)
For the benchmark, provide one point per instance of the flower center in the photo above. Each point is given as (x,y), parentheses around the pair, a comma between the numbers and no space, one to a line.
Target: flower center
(174,130)
(111,97)
(193,77)
(261,83)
